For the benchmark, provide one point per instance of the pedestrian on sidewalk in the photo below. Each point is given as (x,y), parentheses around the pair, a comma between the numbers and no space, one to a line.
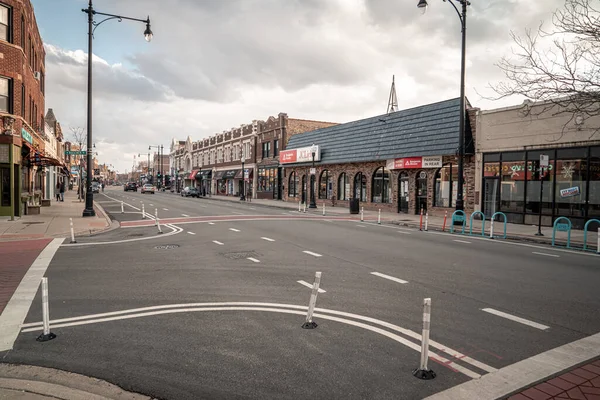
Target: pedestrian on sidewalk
(102,187)
(58,191)
(62,191)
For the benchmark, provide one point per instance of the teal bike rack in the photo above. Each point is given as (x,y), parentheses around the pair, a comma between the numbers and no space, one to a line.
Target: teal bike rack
(492,228)
(482,223)
(562,227)
(458,216)
(585,232)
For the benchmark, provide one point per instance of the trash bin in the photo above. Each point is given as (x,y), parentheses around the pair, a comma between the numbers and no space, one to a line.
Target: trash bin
(354,206)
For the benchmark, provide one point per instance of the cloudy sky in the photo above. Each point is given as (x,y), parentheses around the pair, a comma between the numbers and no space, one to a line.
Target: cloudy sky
(216,64)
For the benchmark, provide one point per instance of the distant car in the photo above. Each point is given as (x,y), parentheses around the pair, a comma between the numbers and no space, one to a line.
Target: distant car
(148,188)
(189,192)
(95,187)
(130,186)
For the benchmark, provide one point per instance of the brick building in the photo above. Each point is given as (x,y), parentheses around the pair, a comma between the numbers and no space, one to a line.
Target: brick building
(22,105)
(403,162)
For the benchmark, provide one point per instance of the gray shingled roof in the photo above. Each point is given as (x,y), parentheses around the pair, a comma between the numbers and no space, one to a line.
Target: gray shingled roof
(429,130)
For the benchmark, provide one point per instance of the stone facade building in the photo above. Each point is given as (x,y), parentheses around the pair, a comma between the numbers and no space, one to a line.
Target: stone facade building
(403,162)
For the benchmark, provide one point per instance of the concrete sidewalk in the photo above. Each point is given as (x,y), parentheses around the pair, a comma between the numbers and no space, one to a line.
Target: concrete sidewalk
(54,221)
(513,231)
(36,383)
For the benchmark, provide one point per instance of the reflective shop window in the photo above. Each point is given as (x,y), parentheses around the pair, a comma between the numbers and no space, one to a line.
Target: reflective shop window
(571,181)
(293,185)
(325,185)
(512,183)
(538,180)
(343,187)
(446,186)
(382,191)
(360,186)
(266,178)
(594,190)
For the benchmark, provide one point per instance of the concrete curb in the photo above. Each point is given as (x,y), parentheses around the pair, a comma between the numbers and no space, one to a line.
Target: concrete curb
(57,384)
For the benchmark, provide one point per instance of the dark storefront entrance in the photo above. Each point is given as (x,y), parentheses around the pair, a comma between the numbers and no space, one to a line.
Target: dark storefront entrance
(421,192)
(403,192)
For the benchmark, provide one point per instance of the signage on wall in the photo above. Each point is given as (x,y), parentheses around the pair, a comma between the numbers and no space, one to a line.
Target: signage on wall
(415,162)
(26,135)
(303,154)
(570,192)
(544,160)
(313,171)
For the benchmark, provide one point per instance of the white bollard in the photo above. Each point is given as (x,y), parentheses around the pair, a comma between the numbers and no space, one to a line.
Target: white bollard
(46,335)
(304,207)
(156,216)
(72,231)
(143,211)
(362,214)
(299,206)
(426,221)
(157,221)
(379,217)
(423,372)
(309,323)
(598,248)
(323,209)
(492,229)
(122,209)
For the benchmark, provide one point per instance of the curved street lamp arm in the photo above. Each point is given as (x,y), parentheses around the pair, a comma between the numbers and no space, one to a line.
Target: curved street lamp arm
(460,16)
(97,24)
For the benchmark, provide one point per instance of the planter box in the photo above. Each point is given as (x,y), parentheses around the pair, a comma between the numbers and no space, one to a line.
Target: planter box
(33,210)
(45,202)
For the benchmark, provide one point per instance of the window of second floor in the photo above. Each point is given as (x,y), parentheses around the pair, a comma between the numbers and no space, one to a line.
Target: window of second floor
(5,25)
(5,95)
(275,147)
(266,149)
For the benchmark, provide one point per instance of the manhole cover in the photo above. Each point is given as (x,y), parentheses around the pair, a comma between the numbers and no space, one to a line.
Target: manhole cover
(33,222)
(166,246)
(240,255)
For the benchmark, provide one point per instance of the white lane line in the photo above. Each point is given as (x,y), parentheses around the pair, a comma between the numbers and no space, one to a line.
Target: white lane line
(165,209)
(253,259)
(312,254)
(391,278)
(516,319)
(185,215)
(310,286)
(233,229)
(406,233)
(268,239)
(18,306)
(545,254)
(211,223)
(461,241)
(191,233)
(252,208)
(174,308)
(217,242)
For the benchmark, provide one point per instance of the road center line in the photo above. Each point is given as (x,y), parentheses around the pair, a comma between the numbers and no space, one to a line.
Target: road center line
(217,242)
(253,259)
(165,209)
(461,241)
(545,254)
(516,319)
(233,229)
(185,215)
(391,278)
(211,223)
(191,233)
(268,239)
(312,254)
(310,286)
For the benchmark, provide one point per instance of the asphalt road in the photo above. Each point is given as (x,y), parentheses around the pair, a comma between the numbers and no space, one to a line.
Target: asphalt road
(367,341)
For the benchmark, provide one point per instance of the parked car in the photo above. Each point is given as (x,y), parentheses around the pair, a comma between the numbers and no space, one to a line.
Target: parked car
(95,187)
(148,188)
(130,186)
(189,192)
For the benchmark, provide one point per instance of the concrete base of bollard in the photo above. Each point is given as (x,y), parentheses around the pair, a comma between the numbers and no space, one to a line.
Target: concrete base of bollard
(424,374)
(45,338)
(309,325)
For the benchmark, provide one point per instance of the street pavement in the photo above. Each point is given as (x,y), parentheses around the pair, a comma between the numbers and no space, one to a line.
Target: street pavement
(212,307)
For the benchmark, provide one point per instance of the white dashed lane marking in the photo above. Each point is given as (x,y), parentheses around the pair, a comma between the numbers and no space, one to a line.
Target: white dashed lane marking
(211,223)
(391,278)
(253,259)
(545,254)
(233,229)
(185,215)
(191,233)
(516,319)
(461,241)
(406,233)
(217,242)
(165,209)
(268,239)
(312,254)
(310,286)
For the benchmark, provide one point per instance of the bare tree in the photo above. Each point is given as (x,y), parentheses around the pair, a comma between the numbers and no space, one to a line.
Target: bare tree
(565,75)
(79,135)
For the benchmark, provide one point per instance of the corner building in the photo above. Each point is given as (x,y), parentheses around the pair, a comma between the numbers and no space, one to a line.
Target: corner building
(22,106)
(404,162)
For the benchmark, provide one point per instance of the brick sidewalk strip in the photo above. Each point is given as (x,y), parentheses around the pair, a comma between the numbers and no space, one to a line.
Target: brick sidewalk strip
(17,257)
(582,383)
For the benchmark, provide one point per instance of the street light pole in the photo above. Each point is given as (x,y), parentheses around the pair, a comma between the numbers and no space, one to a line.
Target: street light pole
(461,134)
(92,25)
(313,204)
(243,196)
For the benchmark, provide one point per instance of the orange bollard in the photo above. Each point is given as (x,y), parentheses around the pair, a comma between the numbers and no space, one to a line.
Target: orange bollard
(444,226)
(421,220)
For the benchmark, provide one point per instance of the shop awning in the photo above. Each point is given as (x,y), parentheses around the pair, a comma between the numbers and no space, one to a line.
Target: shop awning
(204,174)
(193,174)
(229,174)
(238,175)
(44,161)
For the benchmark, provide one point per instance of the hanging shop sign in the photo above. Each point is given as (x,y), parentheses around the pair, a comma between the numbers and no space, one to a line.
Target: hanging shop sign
(415,162)
(303,154)
(570,192)
(26,135)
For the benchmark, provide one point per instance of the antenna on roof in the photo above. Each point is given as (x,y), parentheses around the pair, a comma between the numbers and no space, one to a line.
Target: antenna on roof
(393,100)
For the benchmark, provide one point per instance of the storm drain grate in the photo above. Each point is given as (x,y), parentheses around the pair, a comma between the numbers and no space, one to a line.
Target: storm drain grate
(238,255)
(166,247)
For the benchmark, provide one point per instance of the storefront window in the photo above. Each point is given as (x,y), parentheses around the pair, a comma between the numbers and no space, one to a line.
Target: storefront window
(343,187)
(325,185)
(293,185)
(360,187)
(266,178)
(512,188)
(382,190)
(446,186)
(571,181)
(5,185)
(594,190)
(534,183)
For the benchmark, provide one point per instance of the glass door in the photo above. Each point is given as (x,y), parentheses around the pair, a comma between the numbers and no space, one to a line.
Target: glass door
(421,192)
(403,192)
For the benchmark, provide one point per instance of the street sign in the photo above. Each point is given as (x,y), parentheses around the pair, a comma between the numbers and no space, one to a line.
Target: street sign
(544,160)
(75,152)
(313,171)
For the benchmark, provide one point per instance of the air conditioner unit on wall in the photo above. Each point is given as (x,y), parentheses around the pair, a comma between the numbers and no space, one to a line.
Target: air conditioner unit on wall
(37,75)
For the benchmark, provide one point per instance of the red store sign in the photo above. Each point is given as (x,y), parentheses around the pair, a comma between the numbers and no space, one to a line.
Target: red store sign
(415,162)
